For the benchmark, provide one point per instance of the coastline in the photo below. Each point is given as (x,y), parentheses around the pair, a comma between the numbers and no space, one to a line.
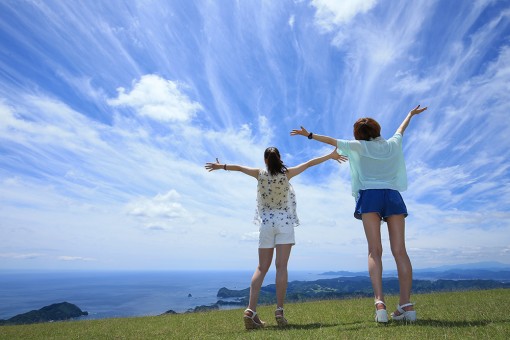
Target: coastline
(106,294)
(149,293)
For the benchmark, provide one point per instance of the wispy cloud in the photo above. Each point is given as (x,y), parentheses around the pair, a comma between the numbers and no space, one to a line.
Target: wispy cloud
(330,13)
(75,258)
(19,256)
(108,114)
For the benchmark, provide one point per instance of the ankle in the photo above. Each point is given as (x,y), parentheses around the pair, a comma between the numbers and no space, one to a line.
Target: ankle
(380,304)
(250,312)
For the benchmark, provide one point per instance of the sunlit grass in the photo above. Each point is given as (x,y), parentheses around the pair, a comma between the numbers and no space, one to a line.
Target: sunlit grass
(459,315)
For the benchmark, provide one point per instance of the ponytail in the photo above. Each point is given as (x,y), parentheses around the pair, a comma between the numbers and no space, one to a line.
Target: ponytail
(275,165)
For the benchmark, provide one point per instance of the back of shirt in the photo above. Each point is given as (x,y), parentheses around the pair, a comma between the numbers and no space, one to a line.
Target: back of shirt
(375,164)
(275,194)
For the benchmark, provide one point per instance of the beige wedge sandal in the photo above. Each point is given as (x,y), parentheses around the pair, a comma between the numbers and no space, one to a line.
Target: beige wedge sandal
(250,322)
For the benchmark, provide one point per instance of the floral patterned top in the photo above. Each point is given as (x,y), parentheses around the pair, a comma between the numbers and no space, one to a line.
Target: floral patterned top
(275,199)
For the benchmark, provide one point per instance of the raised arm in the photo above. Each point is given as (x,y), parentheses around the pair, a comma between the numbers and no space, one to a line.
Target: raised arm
(323,139)
(296,170)
(407,120)
(253,172)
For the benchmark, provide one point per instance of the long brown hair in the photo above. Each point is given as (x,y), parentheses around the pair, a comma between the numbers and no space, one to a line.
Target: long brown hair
(274,163)
(366,129)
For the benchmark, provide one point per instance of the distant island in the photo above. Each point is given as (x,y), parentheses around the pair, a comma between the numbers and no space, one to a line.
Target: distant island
(445,274)
(346,284)
(55,312)
(350,287)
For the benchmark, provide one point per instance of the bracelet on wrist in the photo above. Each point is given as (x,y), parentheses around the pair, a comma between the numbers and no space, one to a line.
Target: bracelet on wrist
(225,167)
(310,136)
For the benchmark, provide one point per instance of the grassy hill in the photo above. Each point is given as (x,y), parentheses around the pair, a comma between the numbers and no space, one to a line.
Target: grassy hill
(479,314)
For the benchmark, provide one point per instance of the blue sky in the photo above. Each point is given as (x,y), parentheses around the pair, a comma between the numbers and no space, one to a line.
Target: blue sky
(109,110)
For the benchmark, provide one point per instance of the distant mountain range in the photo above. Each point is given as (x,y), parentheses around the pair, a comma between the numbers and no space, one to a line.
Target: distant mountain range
(470,271)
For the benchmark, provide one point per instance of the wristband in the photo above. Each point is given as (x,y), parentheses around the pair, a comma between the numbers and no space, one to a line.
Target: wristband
(225,167)
(310,136)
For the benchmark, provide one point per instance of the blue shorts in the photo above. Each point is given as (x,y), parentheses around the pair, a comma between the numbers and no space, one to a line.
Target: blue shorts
(385,202)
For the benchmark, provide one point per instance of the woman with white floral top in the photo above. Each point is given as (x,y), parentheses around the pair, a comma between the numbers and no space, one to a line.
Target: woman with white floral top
(276,215)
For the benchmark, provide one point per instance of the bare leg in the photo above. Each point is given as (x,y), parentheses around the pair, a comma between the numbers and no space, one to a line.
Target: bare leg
(396,229)
(282,276)
(372,226)
(265,258)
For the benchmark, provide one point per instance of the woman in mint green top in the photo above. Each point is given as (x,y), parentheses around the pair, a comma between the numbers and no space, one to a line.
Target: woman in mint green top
(376,163)
(378,174)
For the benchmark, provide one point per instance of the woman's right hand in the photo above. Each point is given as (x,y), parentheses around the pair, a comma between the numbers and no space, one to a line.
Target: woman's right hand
(213,166)
(337,157)
(417,110)
(302,132)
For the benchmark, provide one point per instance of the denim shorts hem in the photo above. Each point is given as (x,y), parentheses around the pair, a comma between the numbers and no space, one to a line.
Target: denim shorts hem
(384,202)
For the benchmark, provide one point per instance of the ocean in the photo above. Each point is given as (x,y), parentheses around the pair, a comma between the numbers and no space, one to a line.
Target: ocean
(123,294)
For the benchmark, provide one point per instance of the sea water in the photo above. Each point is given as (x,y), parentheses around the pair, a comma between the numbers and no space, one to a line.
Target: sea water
(123,294)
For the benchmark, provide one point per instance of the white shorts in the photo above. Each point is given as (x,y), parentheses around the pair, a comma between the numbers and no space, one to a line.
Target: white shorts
(273,232)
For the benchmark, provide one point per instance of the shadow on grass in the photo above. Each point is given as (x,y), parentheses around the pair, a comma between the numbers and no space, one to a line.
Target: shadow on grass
(420,322)
(446,323)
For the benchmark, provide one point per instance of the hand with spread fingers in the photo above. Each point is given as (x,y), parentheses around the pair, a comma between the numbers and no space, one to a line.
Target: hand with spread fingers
(213,166)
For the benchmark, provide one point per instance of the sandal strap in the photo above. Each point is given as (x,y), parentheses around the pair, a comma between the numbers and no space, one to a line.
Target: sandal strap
(380,302)
(279,309)
(250,311)
(400,308)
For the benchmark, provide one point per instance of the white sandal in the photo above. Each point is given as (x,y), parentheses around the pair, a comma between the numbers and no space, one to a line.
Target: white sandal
(280,319)
(381,315)
(249,320)
(405,315)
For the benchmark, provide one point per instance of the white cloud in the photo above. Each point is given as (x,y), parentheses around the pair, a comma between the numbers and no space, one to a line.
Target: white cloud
(40,120)
(291,21)
(75,258)
(331,13)
(160,213)
(157,98)
(411,84)
(440,182)
(21,256)
(161,206)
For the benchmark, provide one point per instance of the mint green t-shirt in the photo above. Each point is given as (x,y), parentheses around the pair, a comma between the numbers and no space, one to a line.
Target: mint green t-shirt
(375,164)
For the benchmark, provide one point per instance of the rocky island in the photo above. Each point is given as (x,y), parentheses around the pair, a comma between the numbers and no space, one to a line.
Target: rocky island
(55,312)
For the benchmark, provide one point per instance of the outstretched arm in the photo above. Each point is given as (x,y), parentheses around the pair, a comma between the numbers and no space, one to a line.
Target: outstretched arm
(323,139)
(296,170)
(407,120)
(253,172)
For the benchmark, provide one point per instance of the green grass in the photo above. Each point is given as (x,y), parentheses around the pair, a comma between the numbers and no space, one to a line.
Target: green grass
(458,315)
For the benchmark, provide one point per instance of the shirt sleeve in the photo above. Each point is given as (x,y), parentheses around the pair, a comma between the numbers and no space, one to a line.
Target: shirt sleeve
(348,147)
(396,138)
(343,147)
